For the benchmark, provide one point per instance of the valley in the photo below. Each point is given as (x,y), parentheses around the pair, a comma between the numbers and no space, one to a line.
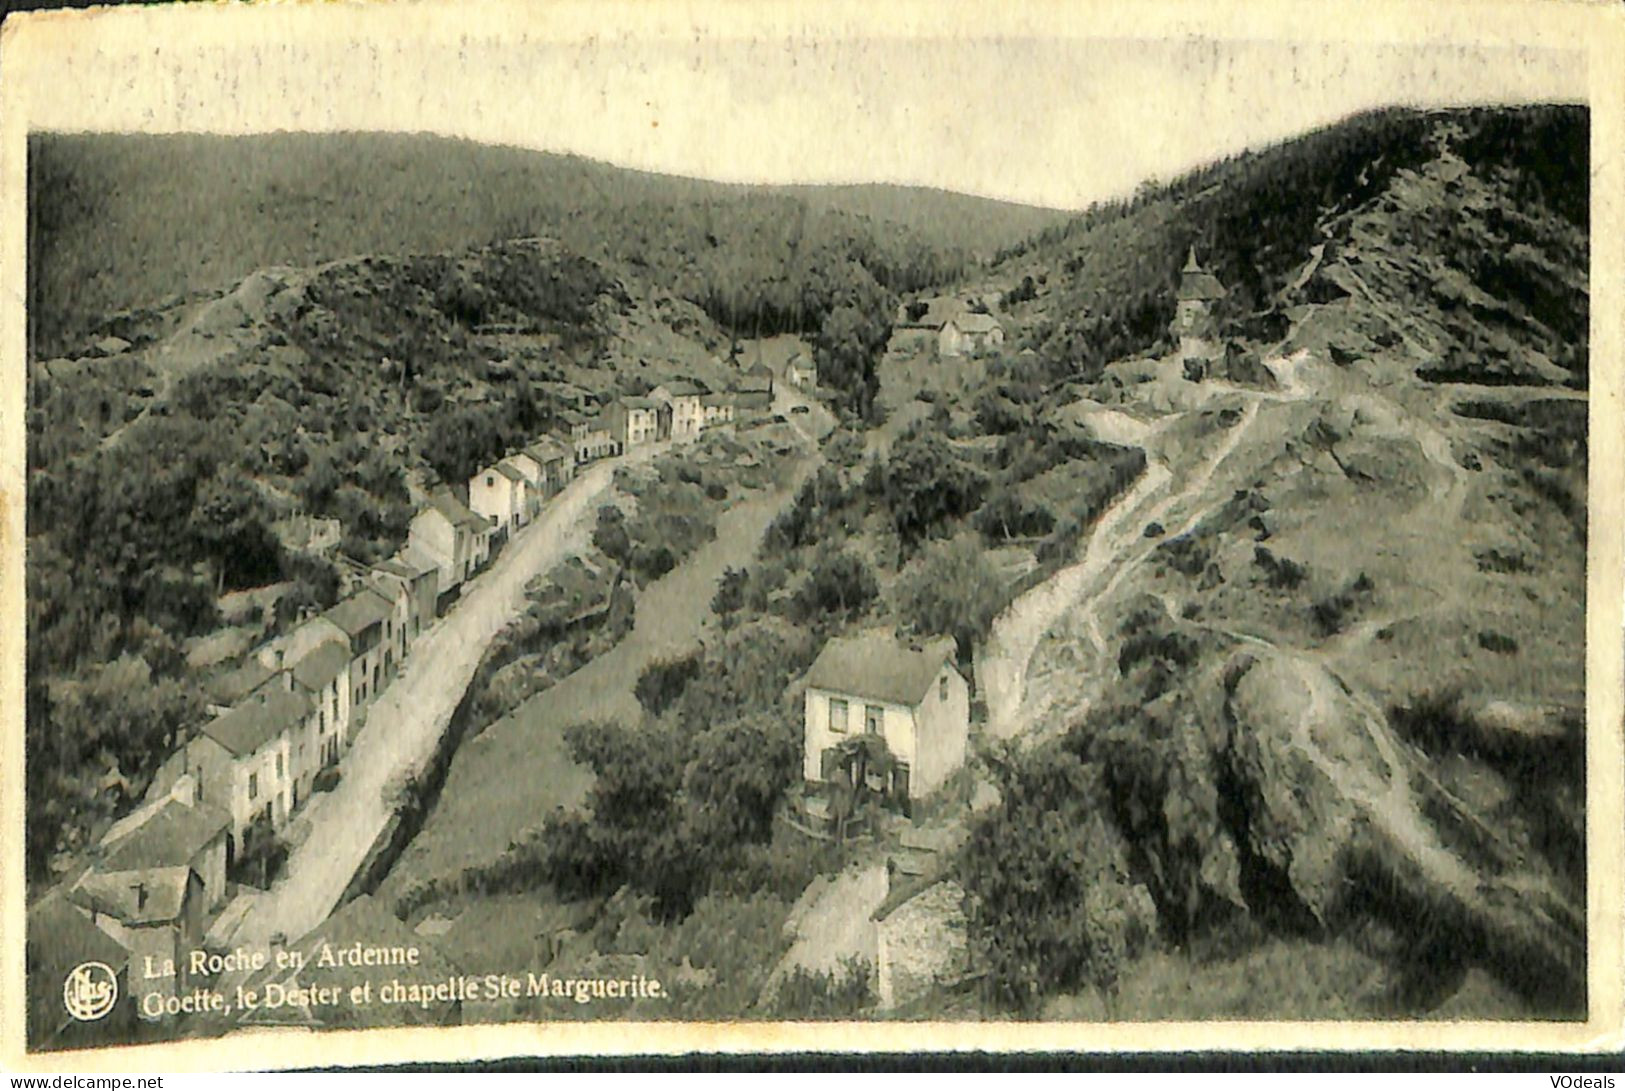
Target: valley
(1250,514)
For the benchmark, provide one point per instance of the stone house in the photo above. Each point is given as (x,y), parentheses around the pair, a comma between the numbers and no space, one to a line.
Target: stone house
(367,620)
(636,421)
(910,694)
(455,538)
(420,576)
(322,676)
(243,762)
(182,832)
(715,409)
(969,334)
(548,465)
(156,914)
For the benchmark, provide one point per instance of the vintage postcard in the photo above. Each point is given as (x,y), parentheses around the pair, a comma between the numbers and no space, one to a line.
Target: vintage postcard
(553,528)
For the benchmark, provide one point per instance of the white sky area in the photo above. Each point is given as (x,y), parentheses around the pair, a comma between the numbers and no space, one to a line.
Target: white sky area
(1051,120)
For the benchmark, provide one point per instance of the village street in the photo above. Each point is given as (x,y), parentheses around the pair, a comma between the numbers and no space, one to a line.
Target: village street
(337,828)
(672,615)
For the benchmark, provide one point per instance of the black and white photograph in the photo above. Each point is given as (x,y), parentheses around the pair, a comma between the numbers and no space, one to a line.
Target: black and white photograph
(1036,525)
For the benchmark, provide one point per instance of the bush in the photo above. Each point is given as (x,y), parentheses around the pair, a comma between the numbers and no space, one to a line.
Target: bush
(663,681)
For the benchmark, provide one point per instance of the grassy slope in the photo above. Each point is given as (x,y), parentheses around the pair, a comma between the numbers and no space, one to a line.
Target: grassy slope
(117,225)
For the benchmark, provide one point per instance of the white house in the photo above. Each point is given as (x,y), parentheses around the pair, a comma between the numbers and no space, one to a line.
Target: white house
(911,694)
(687,412)
(969,334)
(497,494)
(801,372)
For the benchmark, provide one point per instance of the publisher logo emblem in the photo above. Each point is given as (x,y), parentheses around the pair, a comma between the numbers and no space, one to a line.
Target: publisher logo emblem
(89,991)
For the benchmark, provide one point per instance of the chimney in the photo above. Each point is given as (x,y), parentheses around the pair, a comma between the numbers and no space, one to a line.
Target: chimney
(277,654)
(140,896)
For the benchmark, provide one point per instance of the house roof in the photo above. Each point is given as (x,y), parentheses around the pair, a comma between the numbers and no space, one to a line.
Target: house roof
(170,837)
(146,896)
(361,611)
(973,322)
(257,720)
(682,388)
(60,937)
(233,686)
(323,663)
(759,369)
(509,471)
(753,385)
(569,416)
(545,450)
(639,403)
(721,397)
(878,665)
(415,562)
(454,510)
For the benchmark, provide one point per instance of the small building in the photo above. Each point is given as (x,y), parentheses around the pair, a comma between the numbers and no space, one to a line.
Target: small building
(367,620)
(569,426)
(922,938)
(715,409)
(600,440)
(455,538)
(497,494)
(687,414)
(1194,326)
(752,395)
(180,833)
(548,465)
(760,376)
(801,372)
(421,578)
(157,914)
(910,694)
(970,334)
(59,943)
(636,421)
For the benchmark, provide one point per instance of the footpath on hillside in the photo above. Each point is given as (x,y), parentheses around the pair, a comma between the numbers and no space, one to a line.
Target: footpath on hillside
(405,724)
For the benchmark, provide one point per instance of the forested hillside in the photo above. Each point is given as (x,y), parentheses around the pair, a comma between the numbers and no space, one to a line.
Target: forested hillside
(1255,219)
(114,226)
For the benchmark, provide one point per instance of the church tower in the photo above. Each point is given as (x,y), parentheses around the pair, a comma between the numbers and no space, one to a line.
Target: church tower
(1194,326)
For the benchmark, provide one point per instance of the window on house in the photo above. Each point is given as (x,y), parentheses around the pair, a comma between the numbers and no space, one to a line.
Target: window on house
(942,688)
(253,785)
(837,716)
(279,766)
(490,481)
(873,717)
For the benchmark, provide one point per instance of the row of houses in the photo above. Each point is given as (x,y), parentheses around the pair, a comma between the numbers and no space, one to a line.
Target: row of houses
(279,725)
